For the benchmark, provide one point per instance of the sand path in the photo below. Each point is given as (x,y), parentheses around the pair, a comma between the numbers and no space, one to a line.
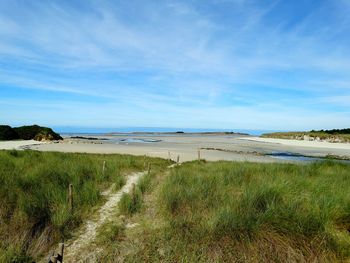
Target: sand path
(79,248)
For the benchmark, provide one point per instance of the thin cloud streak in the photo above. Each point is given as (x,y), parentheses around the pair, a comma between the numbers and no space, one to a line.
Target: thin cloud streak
(187,55)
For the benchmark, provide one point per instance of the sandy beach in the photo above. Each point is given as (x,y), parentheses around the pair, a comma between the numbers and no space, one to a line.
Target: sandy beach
(212,147)
(300,143)
(18,144)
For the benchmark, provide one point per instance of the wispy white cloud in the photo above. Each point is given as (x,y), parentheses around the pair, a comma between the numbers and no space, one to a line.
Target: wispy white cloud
(182,55)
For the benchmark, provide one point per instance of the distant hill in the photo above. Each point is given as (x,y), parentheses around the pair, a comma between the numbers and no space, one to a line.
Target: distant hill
(32,132)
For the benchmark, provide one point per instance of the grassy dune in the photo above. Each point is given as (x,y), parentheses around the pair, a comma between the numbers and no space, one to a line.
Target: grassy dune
(196,212)
(322,135)
(34,212)
(243,212)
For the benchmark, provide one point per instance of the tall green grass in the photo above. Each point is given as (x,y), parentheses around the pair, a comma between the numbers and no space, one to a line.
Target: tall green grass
(304,209)
(34,212)
(131,203)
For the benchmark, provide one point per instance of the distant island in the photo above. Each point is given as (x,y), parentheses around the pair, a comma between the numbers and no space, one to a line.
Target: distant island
(32,132)
(179,133)
(88,138)
(335,135)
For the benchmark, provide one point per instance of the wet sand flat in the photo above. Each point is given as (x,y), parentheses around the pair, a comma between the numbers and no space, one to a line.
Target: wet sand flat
(212,147)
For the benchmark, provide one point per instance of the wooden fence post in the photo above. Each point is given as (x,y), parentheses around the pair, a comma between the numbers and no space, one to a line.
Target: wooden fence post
(199,155)
(57,257)
(70,196)
(103,167)
(60,252)
(53,259)
(169,156)
(178,160)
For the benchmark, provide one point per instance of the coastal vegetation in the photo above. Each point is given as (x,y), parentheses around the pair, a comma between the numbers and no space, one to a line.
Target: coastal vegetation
(336,135)
(34,210)
(241,212)
(7,133)
(33,132)
(195,212)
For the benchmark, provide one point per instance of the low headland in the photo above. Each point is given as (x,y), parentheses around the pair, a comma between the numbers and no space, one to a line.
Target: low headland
(333,136)
(32,132)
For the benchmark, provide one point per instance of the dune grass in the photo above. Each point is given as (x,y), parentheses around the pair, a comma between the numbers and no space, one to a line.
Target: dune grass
(34,212)
(322,135)
(243,201)
(131,203)
(246,212)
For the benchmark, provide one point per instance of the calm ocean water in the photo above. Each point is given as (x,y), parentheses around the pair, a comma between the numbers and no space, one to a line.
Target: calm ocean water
(97,131)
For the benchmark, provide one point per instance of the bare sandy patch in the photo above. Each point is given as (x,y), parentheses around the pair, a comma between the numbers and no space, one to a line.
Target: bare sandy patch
(17,145)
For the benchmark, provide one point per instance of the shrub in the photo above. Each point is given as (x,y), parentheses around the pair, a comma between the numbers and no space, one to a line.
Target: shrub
(7,133)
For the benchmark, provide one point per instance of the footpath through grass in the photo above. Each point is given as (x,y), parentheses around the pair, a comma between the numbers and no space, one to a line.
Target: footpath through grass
(243,212)
(34,212)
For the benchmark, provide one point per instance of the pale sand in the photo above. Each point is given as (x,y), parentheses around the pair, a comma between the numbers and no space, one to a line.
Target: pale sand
(185,152)
(233,148)
(9,145)
(301,143)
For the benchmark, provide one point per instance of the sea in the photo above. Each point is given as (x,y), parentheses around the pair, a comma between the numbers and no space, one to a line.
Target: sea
(69,130)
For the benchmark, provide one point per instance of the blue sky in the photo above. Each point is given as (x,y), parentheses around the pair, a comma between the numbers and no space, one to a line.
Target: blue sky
(231,64)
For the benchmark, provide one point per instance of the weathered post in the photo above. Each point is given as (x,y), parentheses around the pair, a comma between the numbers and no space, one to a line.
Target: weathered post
(53,259)
(169,156)
(70,196)
(103,167)
(60,252)
(178,160)
(149,169)
(199,155)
